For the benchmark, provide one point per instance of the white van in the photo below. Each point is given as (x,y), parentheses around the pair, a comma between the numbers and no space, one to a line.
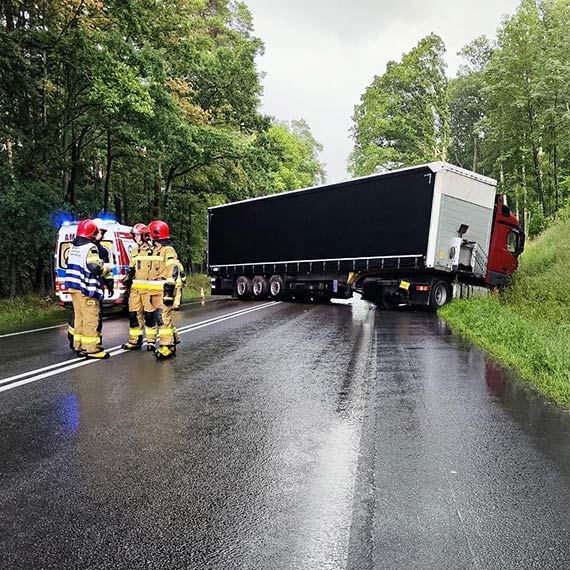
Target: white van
(119,243)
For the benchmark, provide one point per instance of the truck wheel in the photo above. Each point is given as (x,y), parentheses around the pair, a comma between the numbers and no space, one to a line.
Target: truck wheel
(260,287)
(440,294)
(388,302)
(276,287)
(243,287)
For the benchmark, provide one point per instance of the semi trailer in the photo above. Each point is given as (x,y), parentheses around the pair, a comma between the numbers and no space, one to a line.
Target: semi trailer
(398,238)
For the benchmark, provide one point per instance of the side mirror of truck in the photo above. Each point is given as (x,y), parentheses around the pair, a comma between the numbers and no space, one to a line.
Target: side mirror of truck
(520,242)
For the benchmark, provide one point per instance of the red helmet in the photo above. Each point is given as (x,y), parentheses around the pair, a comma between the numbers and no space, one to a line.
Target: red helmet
(140,229)
(87,229)
(159,230)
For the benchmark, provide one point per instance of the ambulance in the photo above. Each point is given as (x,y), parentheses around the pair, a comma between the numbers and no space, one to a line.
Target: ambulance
(117,240)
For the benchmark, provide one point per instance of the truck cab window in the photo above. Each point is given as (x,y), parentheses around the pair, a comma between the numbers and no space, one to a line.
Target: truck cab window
(513,242)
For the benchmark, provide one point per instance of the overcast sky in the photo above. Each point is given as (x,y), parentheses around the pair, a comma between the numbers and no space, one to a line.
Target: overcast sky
(320,55)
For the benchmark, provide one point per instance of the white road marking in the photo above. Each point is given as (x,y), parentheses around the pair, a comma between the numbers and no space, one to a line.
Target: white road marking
(38,370)
(73,363)
(114,348)
(32,331)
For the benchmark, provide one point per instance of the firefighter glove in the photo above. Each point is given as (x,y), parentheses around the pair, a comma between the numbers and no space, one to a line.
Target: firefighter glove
(129,276)
(110,287)
(168,295)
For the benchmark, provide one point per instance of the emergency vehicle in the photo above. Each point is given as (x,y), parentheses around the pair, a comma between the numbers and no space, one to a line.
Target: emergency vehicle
(117,240)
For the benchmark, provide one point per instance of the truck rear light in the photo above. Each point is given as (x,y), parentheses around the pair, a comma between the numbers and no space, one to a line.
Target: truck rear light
(423,288)
(118,301)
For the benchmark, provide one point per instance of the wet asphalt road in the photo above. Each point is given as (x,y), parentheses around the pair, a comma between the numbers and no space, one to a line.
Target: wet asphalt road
(290,437)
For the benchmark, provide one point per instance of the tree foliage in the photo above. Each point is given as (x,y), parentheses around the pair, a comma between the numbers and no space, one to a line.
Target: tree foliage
(506,114)
(139,109)
(402,118)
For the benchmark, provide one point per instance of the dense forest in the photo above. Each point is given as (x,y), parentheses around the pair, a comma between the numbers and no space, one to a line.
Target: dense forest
(136,110)
(506,114)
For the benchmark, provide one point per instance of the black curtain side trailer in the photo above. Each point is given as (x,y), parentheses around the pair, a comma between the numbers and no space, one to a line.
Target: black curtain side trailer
(374,233)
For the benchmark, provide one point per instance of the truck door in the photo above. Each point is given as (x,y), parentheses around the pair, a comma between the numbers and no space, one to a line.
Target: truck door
(507,243)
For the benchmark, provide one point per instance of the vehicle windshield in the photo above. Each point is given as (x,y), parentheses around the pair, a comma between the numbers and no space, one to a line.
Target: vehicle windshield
(65,246)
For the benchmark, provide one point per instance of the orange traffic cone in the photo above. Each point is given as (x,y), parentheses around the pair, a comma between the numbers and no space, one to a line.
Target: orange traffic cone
(202,296)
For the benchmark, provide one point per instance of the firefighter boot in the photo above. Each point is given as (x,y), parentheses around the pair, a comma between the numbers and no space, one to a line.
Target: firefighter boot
(129,345)
(100,355)
(165,352)
(135,329)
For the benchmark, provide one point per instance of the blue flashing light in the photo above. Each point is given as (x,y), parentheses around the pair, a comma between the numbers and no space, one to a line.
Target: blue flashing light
(106,217)
(62,219)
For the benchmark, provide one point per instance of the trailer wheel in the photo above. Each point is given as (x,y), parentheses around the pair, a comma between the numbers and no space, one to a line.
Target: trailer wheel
(387,302)
(260,287)
(277,287)
(440,294)
(243,287)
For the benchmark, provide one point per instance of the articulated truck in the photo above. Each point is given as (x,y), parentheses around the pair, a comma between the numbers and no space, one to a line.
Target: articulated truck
(398,238)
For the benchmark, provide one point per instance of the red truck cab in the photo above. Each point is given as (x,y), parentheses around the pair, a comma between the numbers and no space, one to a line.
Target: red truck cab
(507,243)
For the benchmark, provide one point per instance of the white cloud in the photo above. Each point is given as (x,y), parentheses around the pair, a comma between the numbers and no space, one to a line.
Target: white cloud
(320,55)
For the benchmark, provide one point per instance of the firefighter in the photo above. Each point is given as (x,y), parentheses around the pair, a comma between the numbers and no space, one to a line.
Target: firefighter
(105,258)
(140,311)
(180,284)
(104,255)
(163,275)
(103,251)
(84,278)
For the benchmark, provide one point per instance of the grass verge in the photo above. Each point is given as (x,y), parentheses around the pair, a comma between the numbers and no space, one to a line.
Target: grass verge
(194,284)
(29,310)
(538,351)
(527,327)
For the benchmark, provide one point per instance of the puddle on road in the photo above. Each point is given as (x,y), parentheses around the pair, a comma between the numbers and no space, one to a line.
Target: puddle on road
(546,423)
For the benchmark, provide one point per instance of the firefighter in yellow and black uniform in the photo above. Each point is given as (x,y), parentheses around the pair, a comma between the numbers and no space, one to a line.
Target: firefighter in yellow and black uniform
(162,279)
(138,295)
(84,278)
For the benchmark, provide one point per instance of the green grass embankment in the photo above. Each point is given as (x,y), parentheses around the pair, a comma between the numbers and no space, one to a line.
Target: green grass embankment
(29,310)
(527,326)
(193,285)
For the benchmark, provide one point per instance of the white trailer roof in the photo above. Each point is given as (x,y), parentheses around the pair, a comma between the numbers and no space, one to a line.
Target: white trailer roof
(433,166)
